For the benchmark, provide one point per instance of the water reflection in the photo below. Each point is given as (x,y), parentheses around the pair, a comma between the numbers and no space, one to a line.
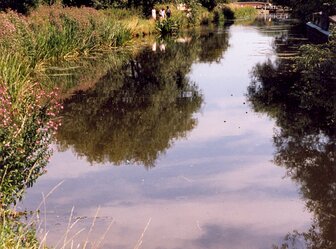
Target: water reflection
(140,106)
(303,104)
(216,189)
(212,46)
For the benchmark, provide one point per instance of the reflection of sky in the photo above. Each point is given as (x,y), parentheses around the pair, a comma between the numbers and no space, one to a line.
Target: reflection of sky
(216,189)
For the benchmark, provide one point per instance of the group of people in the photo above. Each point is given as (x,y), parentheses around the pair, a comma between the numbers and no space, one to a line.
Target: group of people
(163,13)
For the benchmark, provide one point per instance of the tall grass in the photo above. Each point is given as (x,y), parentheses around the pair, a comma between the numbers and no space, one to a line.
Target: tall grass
(15,234)
(133,20)
(245,12)
(51,34)
(15,75)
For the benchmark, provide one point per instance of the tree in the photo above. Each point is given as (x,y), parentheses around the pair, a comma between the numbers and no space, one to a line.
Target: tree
(304,8)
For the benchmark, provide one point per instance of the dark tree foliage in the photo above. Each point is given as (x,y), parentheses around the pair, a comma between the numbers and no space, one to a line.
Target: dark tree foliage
(304,8)
(78,3)
(23,6)
(209,4)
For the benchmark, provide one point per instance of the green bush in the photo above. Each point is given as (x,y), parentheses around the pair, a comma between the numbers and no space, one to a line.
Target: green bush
(167,26)
(16,234)
(25,135)
(218,15)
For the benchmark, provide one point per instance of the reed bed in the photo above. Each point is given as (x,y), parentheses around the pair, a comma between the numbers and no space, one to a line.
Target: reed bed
(50,34)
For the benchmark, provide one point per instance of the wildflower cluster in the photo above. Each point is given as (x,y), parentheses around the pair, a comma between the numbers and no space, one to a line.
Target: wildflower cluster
(25,135)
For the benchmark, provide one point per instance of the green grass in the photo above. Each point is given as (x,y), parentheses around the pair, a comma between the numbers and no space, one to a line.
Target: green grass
(245,12)
(52,34)
(15,234)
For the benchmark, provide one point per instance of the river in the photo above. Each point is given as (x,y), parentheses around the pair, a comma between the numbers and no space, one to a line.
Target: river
(168,149)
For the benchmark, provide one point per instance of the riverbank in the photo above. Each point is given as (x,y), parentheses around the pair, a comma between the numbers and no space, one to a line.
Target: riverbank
(54,33)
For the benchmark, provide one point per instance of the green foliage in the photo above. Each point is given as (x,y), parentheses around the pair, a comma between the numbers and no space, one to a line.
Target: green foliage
(16,234)
(231,13)
(167,27)
(53,33)
(16,73)
(245,12)
(25,135)
(218,15)
(316,61)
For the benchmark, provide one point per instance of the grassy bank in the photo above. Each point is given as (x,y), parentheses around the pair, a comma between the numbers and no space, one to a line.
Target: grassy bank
(238,12)
(51,34)
(15,234)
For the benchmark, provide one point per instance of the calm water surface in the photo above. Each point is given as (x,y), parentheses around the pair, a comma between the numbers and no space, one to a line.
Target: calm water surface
(168,149)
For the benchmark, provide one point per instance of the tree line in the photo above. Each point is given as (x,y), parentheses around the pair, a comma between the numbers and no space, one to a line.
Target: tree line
(24,6)
(304,8)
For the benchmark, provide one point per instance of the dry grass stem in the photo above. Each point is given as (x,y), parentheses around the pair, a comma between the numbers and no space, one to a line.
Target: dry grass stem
(138,245)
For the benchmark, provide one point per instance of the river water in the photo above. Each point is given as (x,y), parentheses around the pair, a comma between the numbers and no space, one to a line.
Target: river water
(167,150)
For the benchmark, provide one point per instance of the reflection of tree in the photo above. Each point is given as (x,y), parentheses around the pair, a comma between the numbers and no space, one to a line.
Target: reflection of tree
(300,96)
(134,111)
(212,46)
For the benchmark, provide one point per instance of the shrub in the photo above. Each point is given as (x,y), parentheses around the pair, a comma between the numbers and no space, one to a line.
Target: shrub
(25,134)
(16,234)
(218,15)
(167,26)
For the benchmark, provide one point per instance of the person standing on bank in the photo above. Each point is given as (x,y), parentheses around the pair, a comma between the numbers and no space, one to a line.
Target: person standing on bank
(168,12)
(154,13)
(162,13)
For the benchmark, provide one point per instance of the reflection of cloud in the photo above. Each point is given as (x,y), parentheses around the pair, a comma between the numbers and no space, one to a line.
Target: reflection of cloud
(230,122)
(217,188)
(183,223)
(181,204)
(66,165)
(215,236)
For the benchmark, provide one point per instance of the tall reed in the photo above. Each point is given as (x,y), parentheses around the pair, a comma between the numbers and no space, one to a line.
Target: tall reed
(51,34)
